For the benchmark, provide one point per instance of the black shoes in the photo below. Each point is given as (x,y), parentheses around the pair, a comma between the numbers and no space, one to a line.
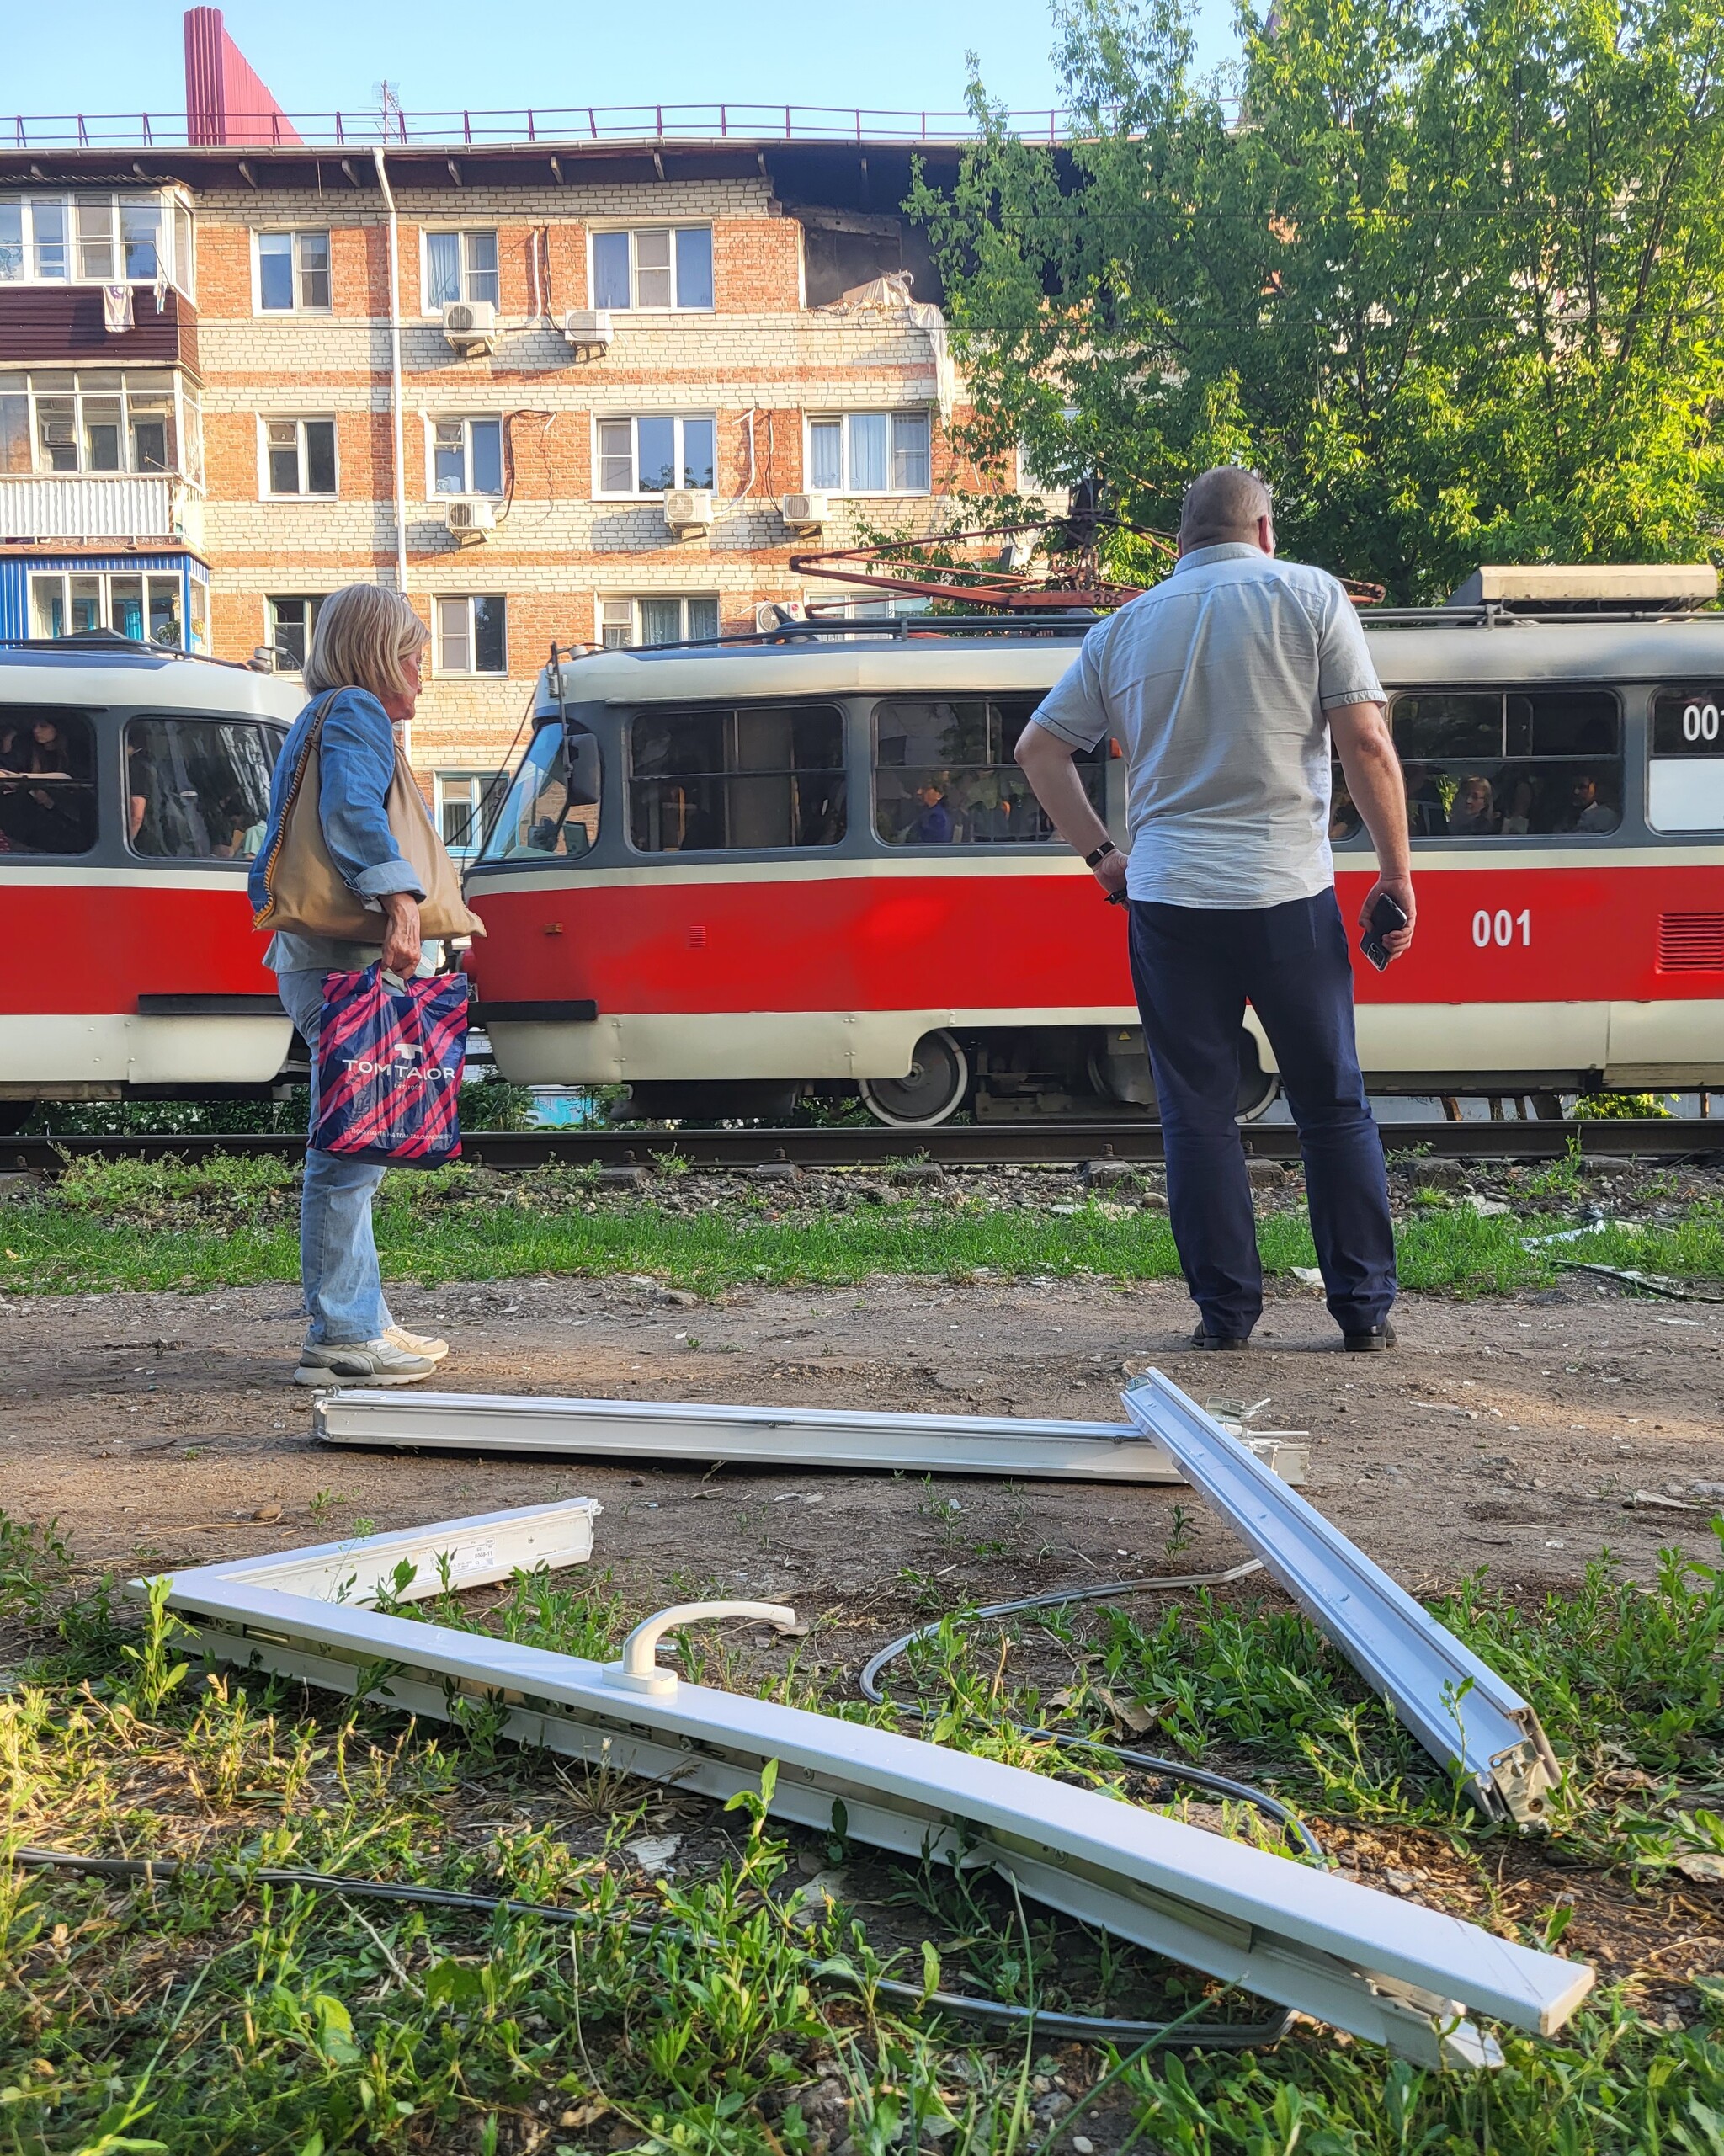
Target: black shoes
(1373,1343)
(1220,1342)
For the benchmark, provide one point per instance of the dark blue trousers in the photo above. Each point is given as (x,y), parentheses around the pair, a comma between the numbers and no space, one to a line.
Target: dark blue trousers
(1194,970)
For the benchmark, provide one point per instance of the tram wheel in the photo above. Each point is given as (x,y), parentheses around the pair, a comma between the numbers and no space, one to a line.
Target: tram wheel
(933,1089)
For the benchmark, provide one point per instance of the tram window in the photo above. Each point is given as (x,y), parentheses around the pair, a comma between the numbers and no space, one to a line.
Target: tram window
(47,780)
(198,789)
(943,774)
(1510,764)
(551,810)
(763,775)
(1685,774)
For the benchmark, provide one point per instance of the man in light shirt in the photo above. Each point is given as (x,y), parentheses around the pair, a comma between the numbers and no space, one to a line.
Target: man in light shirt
(1226,686)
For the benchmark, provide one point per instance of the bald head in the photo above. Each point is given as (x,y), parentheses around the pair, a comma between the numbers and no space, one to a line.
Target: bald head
(1226,503)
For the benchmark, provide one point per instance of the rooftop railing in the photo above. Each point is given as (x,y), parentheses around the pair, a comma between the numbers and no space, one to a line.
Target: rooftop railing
(548,127)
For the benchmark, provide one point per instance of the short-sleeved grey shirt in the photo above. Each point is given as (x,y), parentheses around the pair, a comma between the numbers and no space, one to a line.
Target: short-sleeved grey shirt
(1215,684)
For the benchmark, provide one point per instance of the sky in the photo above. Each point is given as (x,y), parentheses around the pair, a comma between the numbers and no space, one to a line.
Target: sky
(319,56)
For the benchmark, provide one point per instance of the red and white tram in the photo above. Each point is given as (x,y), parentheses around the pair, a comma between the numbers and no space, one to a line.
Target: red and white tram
(133,786)
(728,874)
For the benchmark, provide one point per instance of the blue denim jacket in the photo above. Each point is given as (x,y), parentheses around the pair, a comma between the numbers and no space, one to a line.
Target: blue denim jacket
(356,754)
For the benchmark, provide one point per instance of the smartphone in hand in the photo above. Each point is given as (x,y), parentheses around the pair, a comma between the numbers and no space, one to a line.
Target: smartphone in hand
(1385,916)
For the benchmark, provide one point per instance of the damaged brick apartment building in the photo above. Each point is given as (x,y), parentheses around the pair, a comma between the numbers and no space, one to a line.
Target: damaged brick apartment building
(592,377)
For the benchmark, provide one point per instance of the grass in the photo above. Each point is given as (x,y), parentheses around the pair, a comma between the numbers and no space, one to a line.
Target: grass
(201,2018)
(231,1223)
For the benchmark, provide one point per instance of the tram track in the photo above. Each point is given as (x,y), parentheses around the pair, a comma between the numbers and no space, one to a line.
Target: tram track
(956,1145)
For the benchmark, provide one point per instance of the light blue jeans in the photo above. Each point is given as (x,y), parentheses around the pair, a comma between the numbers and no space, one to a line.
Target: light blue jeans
(343,1290)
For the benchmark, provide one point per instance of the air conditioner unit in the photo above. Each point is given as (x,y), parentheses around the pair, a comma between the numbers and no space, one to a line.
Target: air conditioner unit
(805,512)
(689,510)
(470,517)
(776,613)
(588,328)
(471,326)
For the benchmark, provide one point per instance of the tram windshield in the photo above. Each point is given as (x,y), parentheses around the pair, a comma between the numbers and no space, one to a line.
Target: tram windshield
(551,810)
(943,774)
(1504,764)
(198,789)
(47,780)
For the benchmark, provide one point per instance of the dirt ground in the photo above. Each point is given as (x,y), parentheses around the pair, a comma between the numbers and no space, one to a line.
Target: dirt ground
(1515,1434)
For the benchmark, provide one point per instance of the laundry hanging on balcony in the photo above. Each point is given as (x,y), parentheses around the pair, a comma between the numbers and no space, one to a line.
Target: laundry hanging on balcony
(116,309)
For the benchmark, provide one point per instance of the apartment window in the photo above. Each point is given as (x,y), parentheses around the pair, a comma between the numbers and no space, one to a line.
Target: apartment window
(1497,765)
(471,635)
(466,456)
(623,622)
(869,453)
(767,775)
(299,456)
(143,607)
(662,267)
(459,266)
(99,420)
(461,797)
(644,456)
(95,239)
(293,273)
(291,621)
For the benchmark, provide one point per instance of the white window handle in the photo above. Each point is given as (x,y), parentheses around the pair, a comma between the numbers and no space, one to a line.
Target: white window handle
(638,1670)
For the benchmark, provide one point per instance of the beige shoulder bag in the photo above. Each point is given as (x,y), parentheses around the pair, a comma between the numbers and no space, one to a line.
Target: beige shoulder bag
(308,894)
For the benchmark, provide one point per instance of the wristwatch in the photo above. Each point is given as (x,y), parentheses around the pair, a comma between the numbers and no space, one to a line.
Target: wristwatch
(1101,853)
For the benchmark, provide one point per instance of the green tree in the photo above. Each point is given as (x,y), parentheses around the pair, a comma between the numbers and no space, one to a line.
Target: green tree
(1449,272)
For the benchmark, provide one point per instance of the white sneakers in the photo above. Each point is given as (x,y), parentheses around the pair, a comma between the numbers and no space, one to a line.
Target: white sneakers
(417,1344)
(365,1362)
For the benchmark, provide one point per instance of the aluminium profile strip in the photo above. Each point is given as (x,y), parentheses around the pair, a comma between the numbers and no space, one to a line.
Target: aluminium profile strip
(765,1437)
(1386,1970)
(1456,1705)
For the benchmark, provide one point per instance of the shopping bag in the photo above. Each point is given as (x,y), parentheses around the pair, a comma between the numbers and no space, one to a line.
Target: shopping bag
(389,1058)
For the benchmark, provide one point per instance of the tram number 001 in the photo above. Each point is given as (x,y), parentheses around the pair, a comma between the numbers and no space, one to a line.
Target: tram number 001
(1502,928)
(1700,722)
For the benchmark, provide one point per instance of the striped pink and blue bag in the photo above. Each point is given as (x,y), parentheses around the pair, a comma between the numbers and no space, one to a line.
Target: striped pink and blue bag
(390,1054)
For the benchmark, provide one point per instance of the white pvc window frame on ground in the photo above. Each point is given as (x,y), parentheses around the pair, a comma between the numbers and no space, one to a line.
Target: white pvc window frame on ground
(673,1430)
(1463,1713)
(1384,1969)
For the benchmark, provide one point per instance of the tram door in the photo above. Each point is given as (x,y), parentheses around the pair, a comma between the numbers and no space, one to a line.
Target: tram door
(1677,1035)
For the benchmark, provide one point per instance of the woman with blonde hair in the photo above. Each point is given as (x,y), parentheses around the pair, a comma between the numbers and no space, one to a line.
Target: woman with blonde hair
(367,649)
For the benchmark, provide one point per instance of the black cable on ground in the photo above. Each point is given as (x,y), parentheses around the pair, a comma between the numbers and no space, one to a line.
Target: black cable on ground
(1214,1784)
(1084,2028)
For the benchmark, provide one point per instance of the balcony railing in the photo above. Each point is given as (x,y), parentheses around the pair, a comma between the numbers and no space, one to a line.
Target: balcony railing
(89,505)
(547,126)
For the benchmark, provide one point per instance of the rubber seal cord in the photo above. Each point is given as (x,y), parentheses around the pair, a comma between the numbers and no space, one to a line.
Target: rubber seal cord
(1083,2028)
(1176,1770)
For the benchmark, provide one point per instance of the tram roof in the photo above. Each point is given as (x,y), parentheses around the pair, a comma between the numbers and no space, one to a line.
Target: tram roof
(102,674)
(1421,647)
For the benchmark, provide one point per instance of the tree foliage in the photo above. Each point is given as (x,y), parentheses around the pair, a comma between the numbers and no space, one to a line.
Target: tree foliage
(1449,272)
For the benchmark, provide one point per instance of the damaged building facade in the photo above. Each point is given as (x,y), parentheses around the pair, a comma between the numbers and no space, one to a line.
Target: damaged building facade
(631,384)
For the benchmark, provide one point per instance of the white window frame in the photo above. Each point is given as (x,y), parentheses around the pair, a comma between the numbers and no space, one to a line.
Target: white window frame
(442,796)
(314,599)
(168,201)
(293,234)
(107,579)
(633,233)
(467,420)
(469,671)
(59,382)
(463,233)
(812,419)
(677,419)
(299,421)
(607,614)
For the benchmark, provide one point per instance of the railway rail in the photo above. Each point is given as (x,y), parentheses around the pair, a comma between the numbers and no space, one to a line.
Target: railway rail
(962,1145)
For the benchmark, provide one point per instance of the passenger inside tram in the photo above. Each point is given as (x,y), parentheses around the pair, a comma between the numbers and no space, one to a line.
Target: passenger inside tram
(1472,814)
(56,811)
(934,826)
(198,788)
